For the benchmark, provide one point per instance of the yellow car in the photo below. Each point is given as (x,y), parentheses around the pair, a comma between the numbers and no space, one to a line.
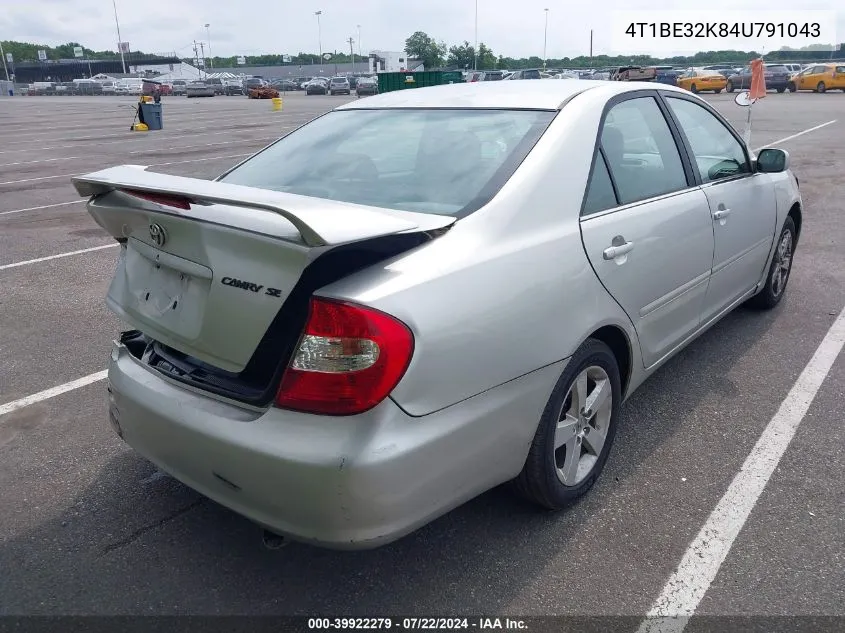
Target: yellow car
(819,78)
(702,81)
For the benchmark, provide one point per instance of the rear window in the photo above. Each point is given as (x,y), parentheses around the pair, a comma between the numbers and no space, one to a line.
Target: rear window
(448,162)
(338,80)
(777,69)
(530,74)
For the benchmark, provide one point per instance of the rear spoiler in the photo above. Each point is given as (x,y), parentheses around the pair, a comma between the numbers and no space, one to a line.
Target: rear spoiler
(319,222)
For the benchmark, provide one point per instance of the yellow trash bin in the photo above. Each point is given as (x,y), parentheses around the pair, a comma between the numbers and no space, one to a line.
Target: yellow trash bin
(148,99)
(277,104)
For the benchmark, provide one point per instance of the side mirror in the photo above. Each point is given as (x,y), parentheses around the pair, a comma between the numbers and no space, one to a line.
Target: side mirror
(772,161)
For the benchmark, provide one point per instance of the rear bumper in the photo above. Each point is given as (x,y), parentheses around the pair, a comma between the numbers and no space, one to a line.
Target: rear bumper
(346,483)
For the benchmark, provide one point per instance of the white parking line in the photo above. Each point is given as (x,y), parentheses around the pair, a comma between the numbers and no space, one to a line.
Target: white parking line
(43,160)
(44,206)
(177,162)
(198,160)
(57,256)
(52,392)
(705,555)
(792,136)
(126,134)
(192,135)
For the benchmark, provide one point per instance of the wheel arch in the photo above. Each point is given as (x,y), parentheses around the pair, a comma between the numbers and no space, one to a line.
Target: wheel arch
(620,344)
(796,214)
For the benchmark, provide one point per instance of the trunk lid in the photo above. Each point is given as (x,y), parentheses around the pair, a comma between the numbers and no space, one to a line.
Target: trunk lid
(206,266)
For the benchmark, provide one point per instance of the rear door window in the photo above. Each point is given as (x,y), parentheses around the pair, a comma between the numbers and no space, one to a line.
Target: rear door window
(641,152)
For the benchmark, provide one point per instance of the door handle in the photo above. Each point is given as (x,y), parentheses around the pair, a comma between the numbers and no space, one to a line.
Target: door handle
(617,250)
(721,214)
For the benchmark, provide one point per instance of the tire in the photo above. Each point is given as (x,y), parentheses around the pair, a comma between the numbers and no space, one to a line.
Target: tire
(781,90)
(542,478)
(821,87)
(717,91)
(694,89)
(729,87)
(791,87)
(778,276)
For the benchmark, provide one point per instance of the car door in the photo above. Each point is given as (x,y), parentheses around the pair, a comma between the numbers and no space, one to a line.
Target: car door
(742,203)
(646,226)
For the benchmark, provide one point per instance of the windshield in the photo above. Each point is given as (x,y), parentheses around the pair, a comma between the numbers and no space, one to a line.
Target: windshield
(447,162)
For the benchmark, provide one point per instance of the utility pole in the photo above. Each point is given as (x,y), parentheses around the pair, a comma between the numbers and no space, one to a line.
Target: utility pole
(119,40)
(204,69)
(352,53)
(196,55)
(475,50)
(319,36)
(208,36)
(545,37)
(591,48)
(359,42)
(3,55)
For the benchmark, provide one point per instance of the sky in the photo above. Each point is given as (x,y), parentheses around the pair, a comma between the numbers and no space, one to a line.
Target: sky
(510,28)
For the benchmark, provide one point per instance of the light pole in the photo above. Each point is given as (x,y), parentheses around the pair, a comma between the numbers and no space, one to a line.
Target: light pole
(545,38)
(319,35)
(475,49)
(208,37)
(359,41)
(3,55)
(119,40)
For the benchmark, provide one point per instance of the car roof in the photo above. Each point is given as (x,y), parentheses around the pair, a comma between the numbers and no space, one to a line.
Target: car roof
(528,95)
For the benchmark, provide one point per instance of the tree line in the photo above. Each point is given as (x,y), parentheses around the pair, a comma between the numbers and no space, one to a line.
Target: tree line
(437,54)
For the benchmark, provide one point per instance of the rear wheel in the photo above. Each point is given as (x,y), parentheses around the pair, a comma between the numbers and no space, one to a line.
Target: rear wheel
(780,90)
(576,430)
(821,87)
(775,287)
(718,91)
(729,87)
(792,87)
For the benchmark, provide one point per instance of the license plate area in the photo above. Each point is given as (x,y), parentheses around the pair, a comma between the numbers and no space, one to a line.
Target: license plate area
(160,291)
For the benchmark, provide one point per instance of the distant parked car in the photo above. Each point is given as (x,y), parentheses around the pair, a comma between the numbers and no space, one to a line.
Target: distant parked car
(339,86)
(199,89)
(777,77)
(233,87)
(699,80)
(819,78)
(216,84)
(318,86)
(740,80)
(179,87)
(493,75)
(253,82)
(529,73)
(366,86)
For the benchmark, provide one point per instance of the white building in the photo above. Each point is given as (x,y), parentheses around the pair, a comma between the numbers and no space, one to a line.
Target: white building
(392,62)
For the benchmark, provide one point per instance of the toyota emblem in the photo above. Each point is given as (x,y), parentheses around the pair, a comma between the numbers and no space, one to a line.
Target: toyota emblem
(158,234)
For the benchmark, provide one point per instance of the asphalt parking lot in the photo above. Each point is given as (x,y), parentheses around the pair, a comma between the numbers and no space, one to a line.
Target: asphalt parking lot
(89,527)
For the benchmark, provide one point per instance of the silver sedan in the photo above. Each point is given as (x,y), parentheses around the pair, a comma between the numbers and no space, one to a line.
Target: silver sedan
(430,292)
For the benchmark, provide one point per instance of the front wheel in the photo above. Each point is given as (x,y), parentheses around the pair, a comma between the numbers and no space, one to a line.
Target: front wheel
(694,89)
(576,430)
(775,287)
(821,87)
(729,87)
(792,87)
(718,91)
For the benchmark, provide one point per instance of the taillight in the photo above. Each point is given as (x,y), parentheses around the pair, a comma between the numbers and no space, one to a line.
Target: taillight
(348,360)
(178,202)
